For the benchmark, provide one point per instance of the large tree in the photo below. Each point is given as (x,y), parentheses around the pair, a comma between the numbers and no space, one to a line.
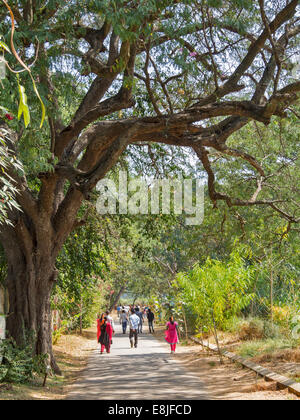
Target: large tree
(113,73)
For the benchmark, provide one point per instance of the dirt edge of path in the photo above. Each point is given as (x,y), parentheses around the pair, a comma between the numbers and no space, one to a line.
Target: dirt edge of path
(228,381)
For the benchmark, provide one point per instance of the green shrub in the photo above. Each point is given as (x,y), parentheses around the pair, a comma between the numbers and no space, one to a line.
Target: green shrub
(58,332)
(255,329)
(19,364)
(272,330)
(215,291)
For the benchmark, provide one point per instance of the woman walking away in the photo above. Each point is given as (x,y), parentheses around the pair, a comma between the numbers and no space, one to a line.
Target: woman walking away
(172,334)
(106,336)
(100,322)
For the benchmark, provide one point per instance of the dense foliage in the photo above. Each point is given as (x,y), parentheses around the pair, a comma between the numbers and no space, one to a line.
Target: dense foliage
(216,291)
(19,364)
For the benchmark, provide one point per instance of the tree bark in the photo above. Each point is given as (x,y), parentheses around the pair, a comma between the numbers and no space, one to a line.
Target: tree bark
(29,286)
(116,298)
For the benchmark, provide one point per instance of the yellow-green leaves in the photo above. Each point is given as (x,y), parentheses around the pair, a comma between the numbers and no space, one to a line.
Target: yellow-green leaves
(23,106)
(4,46)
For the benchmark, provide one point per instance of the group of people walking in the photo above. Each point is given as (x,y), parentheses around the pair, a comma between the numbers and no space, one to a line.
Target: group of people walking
(134,317)
(125,312)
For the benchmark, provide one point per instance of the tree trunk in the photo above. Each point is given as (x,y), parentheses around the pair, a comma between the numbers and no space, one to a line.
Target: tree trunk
(30,279)
(116,298)
(80,319)
(29,308)
(217,339)
(271,296)
(185,325)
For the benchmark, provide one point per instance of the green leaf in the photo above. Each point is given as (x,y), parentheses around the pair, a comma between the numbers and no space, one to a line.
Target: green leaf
(4,46)
(23,107)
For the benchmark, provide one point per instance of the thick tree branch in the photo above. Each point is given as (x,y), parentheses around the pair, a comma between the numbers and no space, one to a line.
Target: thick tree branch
(231,85)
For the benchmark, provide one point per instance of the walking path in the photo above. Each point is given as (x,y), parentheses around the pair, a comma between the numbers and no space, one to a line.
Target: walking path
(146,373)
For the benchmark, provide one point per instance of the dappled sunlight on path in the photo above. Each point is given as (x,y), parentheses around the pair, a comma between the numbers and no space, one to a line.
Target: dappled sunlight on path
(148,372)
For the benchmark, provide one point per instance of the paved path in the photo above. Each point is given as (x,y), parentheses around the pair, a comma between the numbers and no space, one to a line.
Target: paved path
(146,373)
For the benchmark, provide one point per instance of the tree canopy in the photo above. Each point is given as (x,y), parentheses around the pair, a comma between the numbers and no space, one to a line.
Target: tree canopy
(186,73)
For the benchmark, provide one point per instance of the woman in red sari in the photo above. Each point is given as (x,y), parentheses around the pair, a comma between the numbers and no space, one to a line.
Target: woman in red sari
(172,334)
(106,336)
(100,322)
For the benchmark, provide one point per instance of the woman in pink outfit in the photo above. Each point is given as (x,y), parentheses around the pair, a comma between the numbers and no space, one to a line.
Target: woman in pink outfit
(172,334)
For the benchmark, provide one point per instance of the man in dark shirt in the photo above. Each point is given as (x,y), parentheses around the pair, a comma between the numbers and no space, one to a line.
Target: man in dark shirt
(140,315)
(150,316)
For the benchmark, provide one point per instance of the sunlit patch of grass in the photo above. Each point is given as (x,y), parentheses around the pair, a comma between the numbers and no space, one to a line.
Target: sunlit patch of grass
(254,348)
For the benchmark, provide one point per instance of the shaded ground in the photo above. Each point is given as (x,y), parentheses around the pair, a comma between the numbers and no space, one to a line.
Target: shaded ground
(229,382)
(225,382)
(72,352)
(146,373)
(152,367)
(285,361)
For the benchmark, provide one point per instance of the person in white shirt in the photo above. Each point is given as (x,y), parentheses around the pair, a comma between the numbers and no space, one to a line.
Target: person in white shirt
(110,320)
(134,322)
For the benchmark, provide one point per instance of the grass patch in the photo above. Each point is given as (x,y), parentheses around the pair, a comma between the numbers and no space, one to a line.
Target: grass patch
(268,346)
(33,390)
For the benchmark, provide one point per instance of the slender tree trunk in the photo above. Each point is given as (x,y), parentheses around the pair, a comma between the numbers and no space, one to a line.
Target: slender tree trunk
(185,325)
(116,298)
(271,296)
(217,339)
(81,307)
(201,339)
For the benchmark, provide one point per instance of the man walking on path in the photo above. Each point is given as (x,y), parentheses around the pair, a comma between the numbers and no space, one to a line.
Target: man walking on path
(124,321)
(134,322)
(150,316)
(119,312)
(140,315)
